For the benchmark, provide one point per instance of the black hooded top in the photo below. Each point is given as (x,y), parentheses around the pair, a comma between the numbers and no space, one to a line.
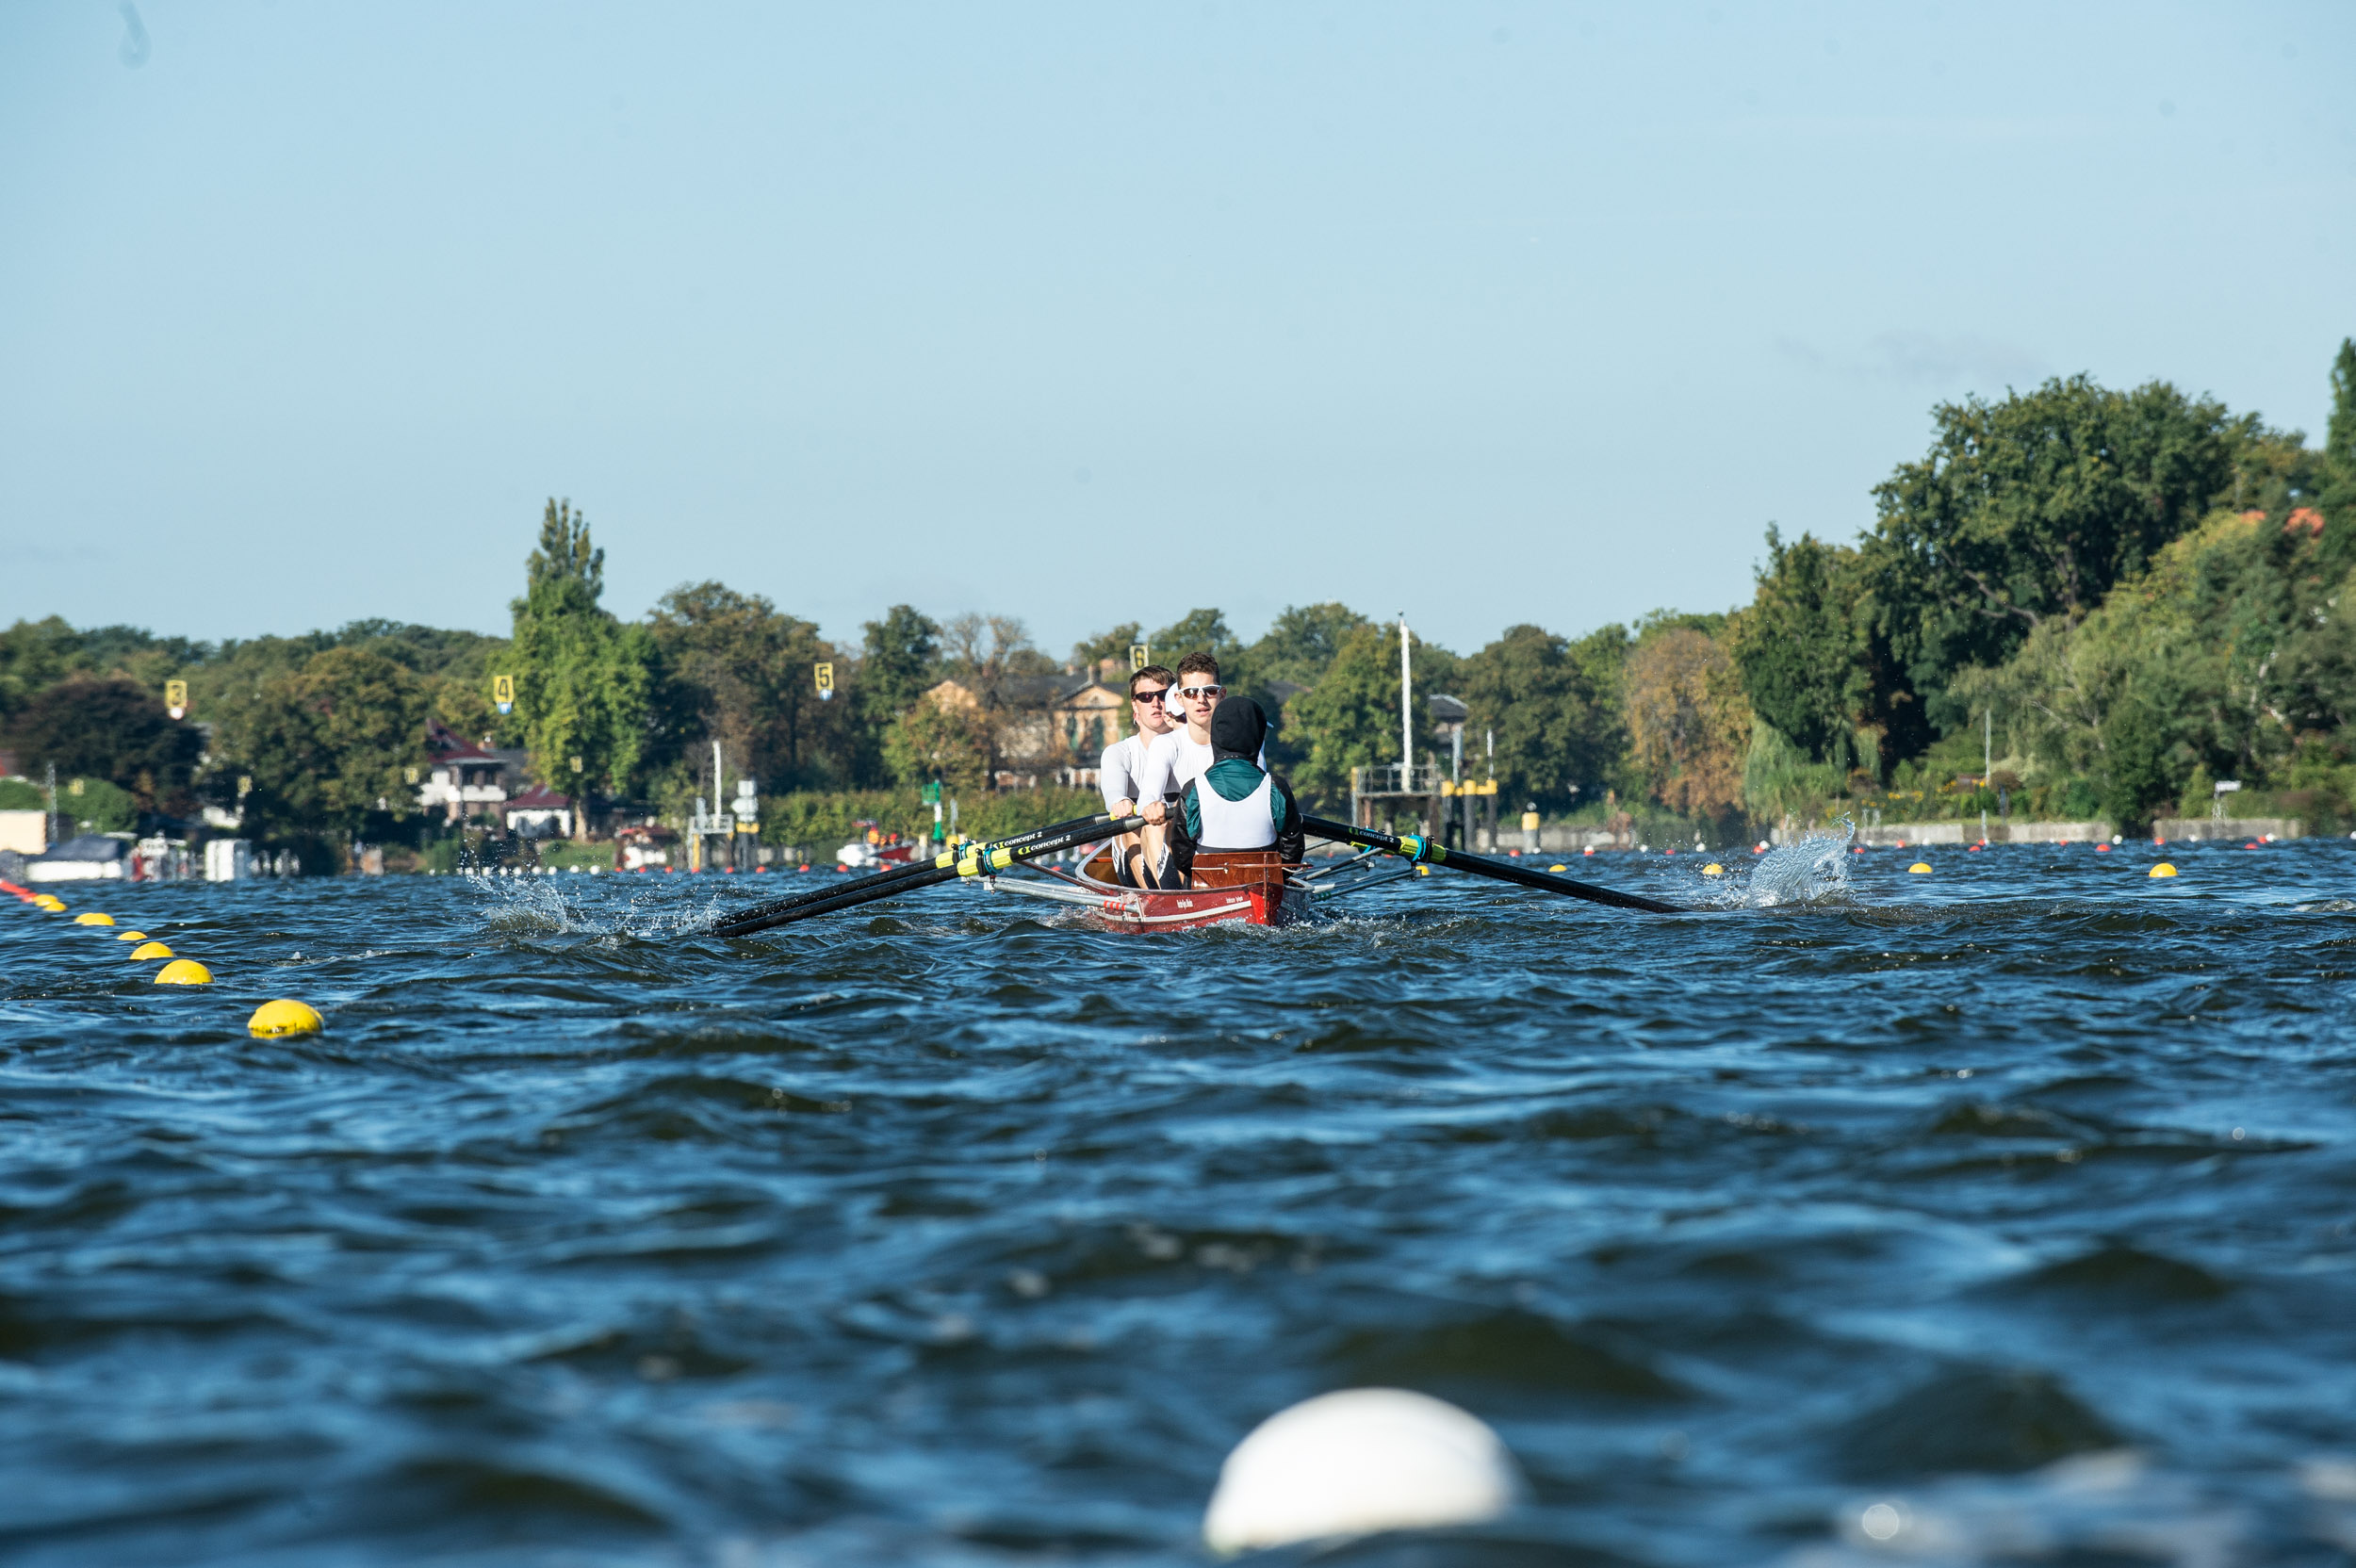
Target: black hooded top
(1238,729)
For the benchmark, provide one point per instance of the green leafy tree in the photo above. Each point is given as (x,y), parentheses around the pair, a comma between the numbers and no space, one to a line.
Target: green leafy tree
(1302,644)
(1558,735)
(582,679)
(1206,632)
(2030,509)
(372,713)
(1115,645)
(111,729)
(1350,718)
(2136,776)
(2225,658)
(1689,721)
(96,805)
(1602,658)
(2339,443)
(901,661)
(35,655)
(329,746)
(1805,647)
(1197,631)
(456,668)
(1781,783)
(949,741)
(2336,481)
(737,671)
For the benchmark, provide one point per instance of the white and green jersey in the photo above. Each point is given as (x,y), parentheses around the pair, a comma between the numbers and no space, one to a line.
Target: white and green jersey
(1233,806)
(1173,761)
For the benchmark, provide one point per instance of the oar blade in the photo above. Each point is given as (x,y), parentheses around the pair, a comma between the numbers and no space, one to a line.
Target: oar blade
(903,878)
(1481,865)
(979,860)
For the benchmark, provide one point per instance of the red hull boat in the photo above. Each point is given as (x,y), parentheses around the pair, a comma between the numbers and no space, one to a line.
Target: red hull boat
(1252,887)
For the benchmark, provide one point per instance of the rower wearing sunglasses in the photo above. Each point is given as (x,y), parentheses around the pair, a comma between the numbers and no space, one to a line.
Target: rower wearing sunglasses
(1181,756)
(1124,760)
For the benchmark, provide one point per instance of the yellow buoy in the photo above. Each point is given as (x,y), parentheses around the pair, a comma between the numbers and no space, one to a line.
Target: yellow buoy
(284,1017)
(91,917)
(52,902)
(1558,868)
(1714,869)
(131,936)
(1921,868)
(2163,869)
(1423,871)
(184,971)
(151,949)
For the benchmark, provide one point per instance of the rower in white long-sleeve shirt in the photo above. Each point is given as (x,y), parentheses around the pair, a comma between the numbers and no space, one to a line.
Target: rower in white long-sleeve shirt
(1123,762)
(1181,756)
(1173,761)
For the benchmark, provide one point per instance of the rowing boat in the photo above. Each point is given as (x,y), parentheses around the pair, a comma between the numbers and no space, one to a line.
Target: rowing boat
(1248,886)
(1231,886)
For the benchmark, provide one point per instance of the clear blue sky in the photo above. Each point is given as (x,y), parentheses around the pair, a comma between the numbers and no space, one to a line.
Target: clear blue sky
(1094,313)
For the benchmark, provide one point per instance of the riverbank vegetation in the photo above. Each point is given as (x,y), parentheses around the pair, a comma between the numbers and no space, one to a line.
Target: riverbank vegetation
(2080,601)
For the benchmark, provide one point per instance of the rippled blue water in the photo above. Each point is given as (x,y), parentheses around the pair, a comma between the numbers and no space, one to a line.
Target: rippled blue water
(2017,1198)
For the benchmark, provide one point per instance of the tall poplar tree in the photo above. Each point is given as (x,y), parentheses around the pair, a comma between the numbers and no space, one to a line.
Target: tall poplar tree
(581,676)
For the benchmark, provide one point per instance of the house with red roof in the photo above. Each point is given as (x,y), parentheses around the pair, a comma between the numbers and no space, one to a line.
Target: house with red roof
(468,782)
(539,812)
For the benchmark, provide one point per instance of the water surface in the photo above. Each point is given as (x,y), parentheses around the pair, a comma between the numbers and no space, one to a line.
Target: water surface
(2009,1213)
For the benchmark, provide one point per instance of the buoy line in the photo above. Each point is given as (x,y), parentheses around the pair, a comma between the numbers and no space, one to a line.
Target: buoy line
(271,1021)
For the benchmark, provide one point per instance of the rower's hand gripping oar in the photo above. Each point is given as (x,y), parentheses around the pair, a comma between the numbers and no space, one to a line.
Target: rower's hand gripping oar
(1424,850)
(977,860)
(902,874)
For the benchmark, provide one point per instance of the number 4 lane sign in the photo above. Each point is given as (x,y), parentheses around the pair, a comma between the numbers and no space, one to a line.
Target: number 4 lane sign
(504,693)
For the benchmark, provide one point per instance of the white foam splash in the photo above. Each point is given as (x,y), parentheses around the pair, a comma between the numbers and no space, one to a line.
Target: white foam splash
(533,907)
(1814,870)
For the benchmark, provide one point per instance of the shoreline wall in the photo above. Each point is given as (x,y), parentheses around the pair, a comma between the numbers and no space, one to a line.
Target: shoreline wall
(2177,829)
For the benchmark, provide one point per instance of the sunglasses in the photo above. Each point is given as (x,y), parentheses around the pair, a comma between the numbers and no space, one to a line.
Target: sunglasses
(1202,691)
(1153,695)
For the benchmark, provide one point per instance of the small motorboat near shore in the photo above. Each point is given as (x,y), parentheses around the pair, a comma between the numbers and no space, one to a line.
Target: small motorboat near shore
(876,850)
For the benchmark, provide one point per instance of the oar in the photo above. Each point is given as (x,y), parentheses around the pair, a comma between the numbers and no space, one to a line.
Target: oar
(902,874)
(979,860)
(1419,849)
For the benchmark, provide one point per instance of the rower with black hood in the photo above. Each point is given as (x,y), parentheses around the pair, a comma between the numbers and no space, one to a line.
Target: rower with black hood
(1236,803)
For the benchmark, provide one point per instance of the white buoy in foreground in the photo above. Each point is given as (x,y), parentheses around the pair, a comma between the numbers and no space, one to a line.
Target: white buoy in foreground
(1354,1462)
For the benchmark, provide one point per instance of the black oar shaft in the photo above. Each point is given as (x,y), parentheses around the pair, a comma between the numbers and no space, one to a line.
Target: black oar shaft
(900,875)
(1415,848)
(979,860)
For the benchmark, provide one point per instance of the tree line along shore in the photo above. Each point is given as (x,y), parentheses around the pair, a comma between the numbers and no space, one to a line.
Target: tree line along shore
(2079,603)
